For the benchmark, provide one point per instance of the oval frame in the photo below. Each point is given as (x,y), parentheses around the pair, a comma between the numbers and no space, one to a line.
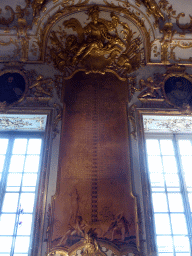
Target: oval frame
(24,93)
(178,75)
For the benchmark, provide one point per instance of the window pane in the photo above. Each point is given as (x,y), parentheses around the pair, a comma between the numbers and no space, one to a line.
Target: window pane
(175,202)
(7,222)
(157,180)
(4,144)
(181,244)
(154,164)
(31,164)
(164,244)
(14,179)
(25,226)
(19,146)
(169,164)
(172,180)
(29,179)
(178,224)
(185,147)
(21,244)
(166,147)
(159,202)
(17,162)
(34,146)
(152,147)
(5,243)
(27,202)
(162,224)
(10,202)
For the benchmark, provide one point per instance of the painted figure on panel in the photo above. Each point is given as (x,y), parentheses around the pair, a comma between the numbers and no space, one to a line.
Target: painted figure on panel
(12,87)
(178,91)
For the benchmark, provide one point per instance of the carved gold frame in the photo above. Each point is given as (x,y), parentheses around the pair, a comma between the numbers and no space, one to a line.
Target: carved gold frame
(60,251)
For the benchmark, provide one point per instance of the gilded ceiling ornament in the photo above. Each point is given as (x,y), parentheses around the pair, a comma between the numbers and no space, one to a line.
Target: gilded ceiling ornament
(37,5)
(8,21)
(41,87)
(22,25)
(168,33)
(97,46)
(165,6)
(152,9)
(182,45)
(186,27)
(152,89)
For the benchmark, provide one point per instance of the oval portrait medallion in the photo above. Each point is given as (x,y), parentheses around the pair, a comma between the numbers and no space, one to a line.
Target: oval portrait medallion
(12,87)
(178,91)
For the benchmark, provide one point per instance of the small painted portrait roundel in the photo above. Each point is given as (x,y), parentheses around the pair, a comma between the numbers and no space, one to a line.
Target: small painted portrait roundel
(12,87)
(178,91)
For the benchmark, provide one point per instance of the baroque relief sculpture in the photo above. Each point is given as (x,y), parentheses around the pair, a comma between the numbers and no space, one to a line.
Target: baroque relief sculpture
(97,46)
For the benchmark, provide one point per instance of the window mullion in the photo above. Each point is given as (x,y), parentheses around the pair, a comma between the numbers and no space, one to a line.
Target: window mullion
(18,207)
(5,171)
(166,194)
(184,193)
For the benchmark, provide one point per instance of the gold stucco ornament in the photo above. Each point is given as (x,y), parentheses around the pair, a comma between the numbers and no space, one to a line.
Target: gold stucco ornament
(99,46)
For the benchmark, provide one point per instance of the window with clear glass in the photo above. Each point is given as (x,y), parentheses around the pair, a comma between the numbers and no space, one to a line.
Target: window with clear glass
(170,174)
(19,172)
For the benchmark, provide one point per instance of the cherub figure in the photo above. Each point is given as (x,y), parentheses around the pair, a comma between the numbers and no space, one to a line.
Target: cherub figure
(41,86)
(151,91)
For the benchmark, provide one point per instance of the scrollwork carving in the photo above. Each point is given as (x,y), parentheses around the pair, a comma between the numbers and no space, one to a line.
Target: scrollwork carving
(37,5)
(186,27)
(41,87)
(95,48)
(152,8)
